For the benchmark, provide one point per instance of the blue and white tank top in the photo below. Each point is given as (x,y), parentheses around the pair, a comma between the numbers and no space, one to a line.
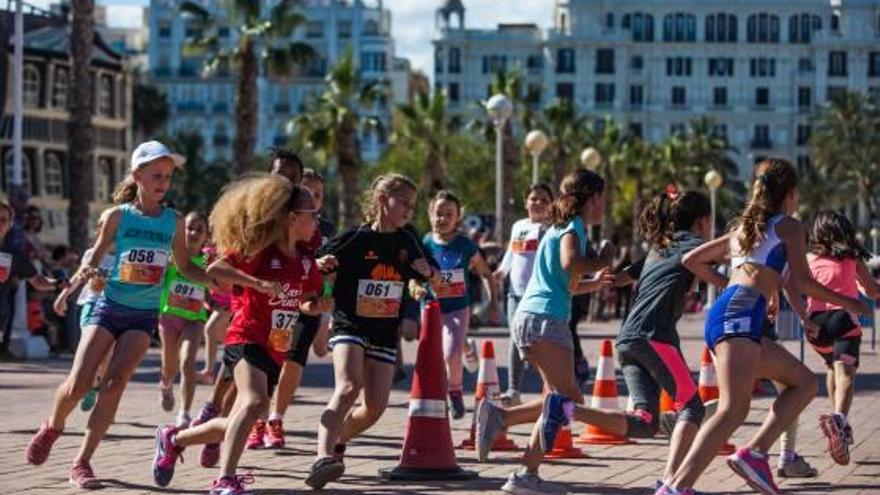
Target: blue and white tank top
(143,251)
(768,251)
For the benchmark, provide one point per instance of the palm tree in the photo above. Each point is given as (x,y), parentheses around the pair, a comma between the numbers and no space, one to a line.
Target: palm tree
(80,133)
(263,39)
(565,128)
(331,125)
(425,122)
(846,141)
(198,185)
(611,142)
(150,110)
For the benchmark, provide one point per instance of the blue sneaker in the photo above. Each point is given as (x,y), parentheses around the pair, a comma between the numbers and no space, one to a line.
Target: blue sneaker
(553,417)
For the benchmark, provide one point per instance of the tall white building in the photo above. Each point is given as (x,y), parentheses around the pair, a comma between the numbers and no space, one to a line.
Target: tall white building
(206,104)
(758,68)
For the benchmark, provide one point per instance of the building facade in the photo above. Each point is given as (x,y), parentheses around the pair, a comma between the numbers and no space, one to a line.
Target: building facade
(206,104)
(758,68)
(46,84)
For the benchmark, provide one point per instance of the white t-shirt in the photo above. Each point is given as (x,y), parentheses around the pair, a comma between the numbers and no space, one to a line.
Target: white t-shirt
(519,258)
(92,289)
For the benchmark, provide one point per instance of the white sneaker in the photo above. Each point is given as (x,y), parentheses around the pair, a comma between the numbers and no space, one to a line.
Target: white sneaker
(183,420)
(471,360)
(531,484)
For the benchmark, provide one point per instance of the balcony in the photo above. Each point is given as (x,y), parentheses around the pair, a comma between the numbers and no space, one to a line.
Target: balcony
(282,108)
(190,107)
(221,140)
(761,144)
(162,72)
(221,107)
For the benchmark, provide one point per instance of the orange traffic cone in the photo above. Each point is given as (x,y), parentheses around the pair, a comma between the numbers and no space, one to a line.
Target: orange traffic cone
(563,447)
(428,453)
(604,397)
(488,389)
(708,389)
(666,402)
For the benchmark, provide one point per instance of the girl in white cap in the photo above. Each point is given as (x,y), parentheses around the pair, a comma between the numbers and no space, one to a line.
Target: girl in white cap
(146,234)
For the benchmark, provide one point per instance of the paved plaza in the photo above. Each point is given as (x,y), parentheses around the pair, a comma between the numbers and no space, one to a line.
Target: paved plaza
(123,460)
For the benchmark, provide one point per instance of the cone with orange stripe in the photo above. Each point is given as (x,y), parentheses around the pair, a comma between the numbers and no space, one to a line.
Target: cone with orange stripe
(708,389)
(428,453)
(563,446)
(488,388)
(604,397)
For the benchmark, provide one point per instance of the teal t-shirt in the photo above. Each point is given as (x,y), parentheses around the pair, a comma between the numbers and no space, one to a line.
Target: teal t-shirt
(143,251)
(547,292)
(454,258)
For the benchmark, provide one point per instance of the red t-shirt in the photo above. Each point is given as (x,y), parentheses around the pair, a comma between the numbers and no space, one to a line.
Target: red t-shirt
(265,320)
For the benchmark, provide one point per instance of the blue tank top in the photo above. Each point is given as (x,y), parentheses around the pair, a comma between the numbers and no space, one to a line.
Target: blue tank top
(143,251)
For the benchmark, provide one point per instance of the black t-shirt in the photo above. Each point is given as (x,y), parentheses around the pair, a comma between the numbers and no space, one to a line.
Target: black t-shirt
(14,266)
(663,285)
(372,277)
(327,229)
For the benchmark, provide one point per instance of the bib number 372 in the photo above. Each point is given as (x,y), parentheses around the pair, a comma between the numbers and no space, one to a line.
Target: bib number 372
(281,333)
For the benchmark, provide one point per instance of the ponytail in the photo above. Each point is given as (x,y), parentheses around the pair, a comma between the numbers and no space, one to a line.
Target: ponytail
(774,180)
(125,192)
(575,190)
(669,213)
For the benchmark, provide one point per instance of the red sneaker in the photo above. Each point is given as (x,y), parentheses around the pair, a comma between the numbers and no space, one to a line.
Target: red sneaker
(209,456)
(82,476)
(255,439)
(41,445)
(274,438)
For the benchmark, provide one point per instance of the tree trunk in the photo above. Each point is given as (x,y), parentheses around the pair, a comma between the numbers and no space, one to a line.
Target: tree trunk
(349,162)
(636,240)
(559,162)
(435,170)
(608,219)
(80,134)
(246,108)
(511,166)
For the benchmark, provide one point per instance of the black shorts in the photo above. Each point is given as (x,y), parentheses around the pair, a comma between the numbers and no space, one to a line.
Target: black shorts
(839,337)
(255,355)
(303,336)
(380,345)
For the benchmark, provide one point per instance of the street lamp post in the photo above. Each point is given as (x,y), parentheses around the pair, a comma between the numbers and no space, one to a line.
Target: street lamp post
(536,143)
(875,234)
(499,108)
(713,181)
(590,158)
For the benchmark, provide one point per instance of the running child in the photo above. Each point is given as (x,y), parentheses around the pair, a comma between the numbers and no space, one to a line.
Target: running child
(258,224)
(518,261)
(182,318)
(376,261)
(125,316)
(837,261)
(270,434)
(541,334)
(457,255)
(217,323)
(764,241)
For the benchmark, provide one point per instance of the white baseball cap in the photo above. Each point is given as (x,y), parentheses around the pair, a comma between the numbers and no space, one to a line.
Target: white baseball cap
(149,151)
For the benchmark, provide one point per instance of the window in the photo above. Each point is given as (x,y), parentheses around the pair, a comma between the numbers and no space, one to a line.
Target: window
(835,22)
(762,67)
(762,28)
(223,31)
(103,179)
(604,61)
(343,29)
(679,27)
(636,96)
(635,129)
(719,131)
(31,83)
(53,175)
(805,65)
(60,88)
(803,163)
(874,94)
(371,28)
(453,92)
(494,63)
(835,91)
(565,61)
(678,66)
(801,27)
(314,29)
(803,134)
(25,172)
(678,96)
(721,28)
(637,62)
(719,96)
(535,63)
(565,91)
(762,97)
(874,64)
(164,29)
(373,61)
(837,64)
(721,67)
(677,130)
(105,96)
(641,26)
(609,20)
(455,60)
(805,97)
(761,138)
(604,94)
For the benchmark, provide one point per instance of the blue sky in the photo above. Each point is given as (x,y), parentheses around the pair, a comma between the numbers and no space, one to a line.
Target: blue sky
(412,20)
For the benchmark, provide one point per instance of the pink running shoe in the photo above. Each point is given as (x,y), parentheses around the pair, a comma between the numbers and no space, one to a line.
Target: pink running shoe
(208,412)
(82,476)
(753,467)
(209,456)
(231,485)
(274,438)
(41,445)
(834,430)
(255,438)
(166,455)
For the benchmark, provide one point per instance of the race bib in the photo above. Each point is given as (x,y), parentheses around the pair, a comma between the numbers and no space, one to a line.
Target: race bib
(281,333)
(451,284)
(524,245)
(5,266)
(143,266)
(378,298)
(187,297)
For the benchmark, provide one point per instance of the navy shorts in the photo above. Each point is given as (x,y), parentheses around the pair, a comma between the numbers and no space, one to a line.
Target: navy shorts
(740,311)
(118,318)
